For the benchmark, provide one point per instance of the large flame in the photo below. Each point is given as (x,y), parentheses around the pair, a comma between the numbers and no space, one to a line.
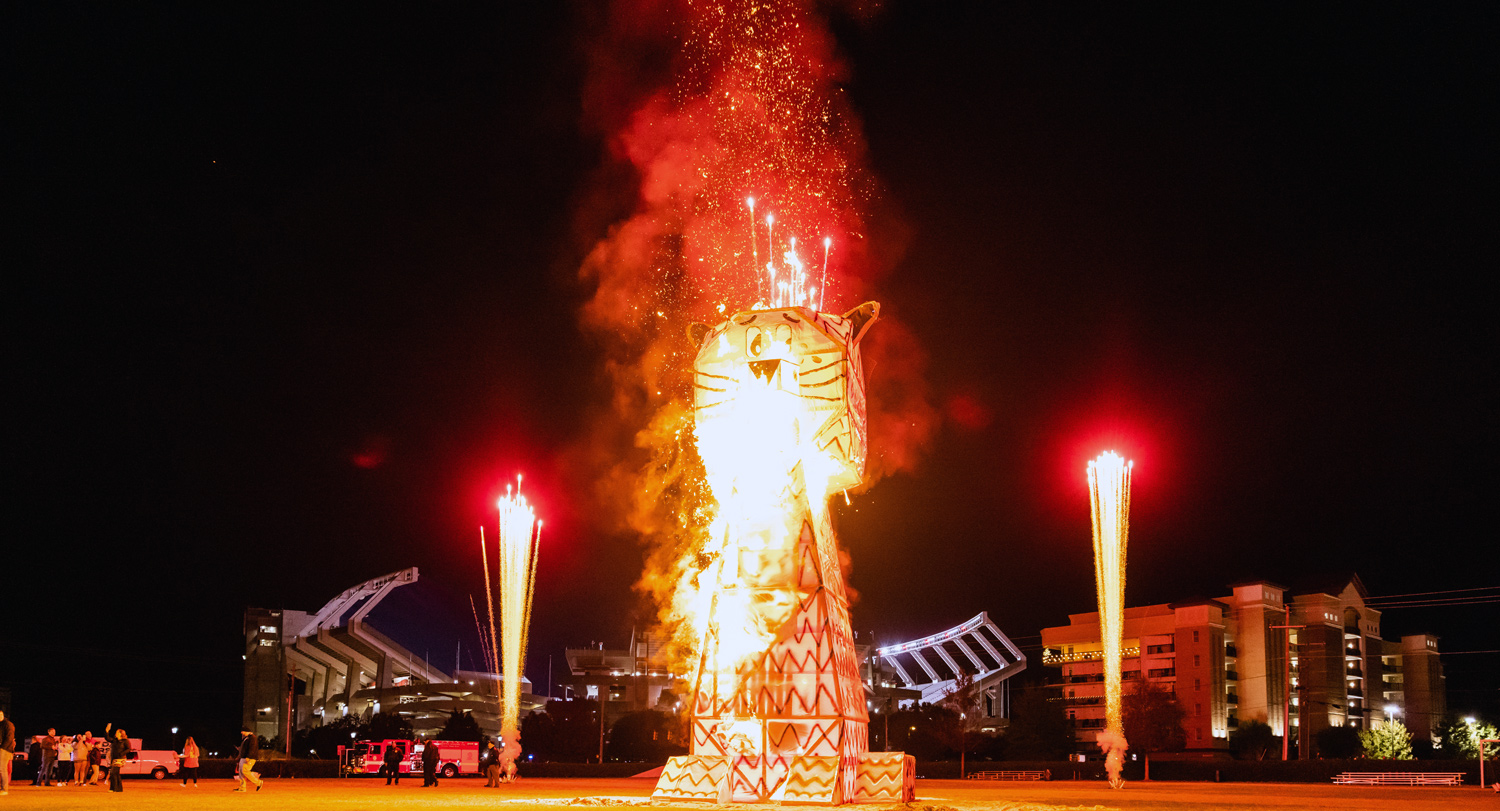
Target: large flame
(746,171)
(752,445)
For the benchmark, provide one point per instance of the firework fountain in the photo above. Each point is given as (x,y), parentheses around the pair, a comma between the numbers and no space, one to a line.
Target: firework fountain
(520,539)
(1109,490)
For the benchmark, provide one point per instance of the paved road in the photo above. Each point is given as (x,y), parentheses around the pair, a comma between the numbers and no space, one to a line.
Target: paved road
(559,795)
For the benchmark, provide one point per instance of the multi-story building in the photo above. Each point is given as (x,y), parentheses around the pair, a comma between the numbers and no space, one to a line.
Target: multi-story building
(624,680)
(1225,659)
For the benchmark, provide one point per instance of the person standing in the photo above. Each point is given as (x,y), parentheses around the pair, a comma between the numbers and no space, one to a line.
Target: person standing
(249,753)
(392,760)
(64,770)
(490,762)
(96,763)
(83,762)
(190,755)
(49,758)
(119,747)
(7,751)
(429,763)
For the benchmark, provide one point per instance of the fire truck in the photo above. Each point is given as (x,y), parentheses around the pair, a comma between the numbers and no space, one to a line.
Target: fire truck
(454,757)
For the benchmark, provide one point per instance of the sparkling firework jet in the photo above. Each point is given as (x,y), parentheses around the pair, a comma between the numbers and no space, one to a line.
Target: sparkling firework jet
(520,539)
(1109,490)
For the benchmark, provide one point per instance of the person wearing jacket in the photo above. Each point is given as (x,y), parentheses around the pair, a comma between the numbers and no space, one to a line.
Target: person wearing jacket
(249,753)
(190,755)
(429,763)
(49,758)
(392,760)
(489,762)
(7,751)
(119,747)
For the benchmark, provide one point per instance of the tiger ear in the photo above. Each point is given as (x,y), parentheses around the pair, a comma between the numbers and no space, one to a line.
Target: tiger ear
(697,332)
(862,317)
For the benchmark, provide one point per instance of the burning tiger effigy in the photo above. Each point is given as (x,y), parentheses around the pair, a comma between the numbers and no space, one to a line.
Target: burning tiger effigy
(778,709)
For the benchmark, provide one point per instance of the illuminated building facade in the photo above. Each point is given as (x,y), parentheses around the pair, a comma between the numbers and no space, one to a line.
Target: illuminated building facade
(1224,660)
(625,680)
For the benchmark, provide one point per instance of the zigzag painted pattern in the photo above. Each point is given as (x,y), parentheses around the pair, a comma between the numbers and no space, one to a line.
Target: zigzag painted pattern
(812,781)
(885,777)
(692,777)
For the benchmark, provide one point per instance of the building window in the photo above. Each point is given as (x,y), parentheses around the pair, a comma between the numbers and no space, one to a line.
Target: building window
(1200,734)
(1197,684)
(1197,710)
(1197,660)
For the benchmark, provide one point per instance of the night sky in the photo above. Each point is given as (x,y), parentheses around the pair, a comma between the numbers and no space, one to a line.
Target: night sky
(292,292)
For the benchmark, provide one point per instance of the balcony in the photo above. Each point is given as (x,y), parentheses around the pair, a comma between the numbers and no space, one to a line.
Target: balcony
(1152,650)
(1355,692)
(1231,651)
(1084,679)
(1085,701)
(1089,723)
(1162,672)
(1232,675)
(1356,671)
(1232,698)
(1051,657)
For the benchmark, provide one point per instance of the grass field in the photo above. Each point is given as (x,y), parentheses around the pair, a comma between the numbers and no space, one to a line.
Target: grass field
(932,795)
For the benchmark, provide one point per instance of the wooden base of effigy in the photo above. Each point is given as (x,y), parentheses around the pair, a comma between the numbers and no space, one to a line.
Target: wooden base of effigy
(878,777)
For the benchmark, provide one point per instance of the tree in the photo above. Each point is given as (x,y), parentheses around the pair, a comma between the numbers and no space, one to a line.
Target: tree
(962,701)
(1458,738)
(324,741)
(461,726)
(1389,741)
(1039,727)
(1253,740)
(564,731)
(1153,721)
(649,736)
(1338,742)
(390,726)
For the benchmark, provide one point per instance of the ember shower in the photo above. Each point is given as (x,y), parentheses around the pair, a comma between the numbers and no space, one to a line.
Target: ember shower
(749,169)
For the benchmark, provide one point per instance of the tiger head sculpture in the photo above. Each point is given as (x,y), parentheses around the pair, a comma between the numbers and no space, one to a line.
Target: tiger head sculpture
(812,356)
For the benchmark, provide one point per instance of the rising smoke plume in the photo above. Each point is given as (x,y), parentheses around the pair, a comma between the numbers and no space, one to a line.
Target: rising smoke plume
(702,105)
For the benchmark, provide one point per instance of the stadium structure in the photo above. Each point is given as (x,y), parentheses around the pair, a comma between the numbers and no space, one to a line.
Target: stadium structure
(931,667)
(303,669)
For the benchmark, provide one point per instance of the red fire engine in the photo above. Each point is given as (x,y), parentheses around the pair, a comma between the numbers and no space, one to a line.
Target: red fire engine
(454,757)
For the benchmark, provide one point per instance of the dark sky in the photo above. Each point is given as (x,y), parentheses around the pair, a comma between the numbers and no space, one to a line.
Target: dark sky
(292,292)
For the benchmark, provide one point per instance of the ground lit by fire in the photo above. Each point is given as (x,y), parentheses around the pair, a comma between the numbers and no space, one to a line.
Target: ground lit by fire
(938,795)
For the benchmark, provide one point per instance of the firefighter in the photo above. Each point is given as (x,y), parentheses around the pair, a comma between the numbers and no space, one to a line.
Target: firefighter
(392,760)
(429,764)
